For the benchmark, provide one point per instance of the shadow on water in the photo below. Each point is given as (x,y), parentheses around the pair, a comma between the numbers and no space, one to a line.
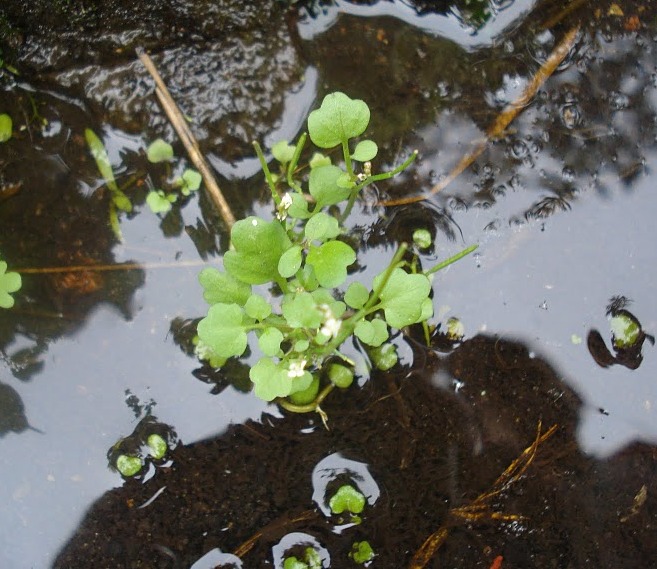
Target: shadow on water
(558,302)
(431,440)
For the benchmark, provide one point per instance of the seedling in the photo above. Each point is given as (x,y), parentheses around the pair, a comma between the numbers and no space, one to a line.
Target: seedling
(9,282)
(303,310)
(311,560)
(128,465)
(158,200)
(6,126)
(157,446)
(348,499)
(361,552)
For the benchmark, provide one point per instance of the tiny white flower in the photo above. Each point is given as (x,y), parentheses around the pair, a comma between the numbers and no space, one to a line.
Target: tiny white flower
(296,368)
(254,222)
(286,202)
(331,327)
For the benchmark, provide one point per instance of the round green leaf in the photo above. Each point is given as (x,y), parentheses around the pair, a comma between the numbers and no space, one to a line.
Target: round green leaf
(257,307)
(338,119)
(347,498)
(365,151)
(258,246)
(282,151)
(190,181)
(290,262)
(323,186)
(300,310)
(222,330)
(404,297)
(306,396)
(625,329)
(384,357)
(222,287)
(422,238)
(6,126)
(158,202)
(361,552)
(128,465)
(330,261)
(340,376)
(373,333)
(270,341)
(159,151)
(157,446)
(9,282)
(270,380)
(319,159)
(356,295)
(321,227)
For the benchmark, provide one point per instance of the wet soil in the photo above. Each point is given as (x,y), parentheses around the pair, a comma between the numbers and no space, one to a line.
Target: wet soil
(428,446)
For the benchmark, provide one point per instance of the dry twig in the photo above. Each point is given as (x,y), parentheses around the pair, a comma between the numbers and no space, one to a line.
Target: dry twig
(191,145)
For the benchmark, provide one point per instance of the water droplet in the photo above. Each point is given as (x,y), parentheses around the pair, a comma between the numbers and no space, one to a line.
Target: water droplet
(519,149)
(618,101)
(568,174)
(571,115)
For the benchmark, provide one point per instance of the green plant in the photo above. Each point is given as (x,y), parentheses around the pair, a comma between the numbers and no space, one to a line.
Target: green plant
(347,499)
(6,126)
(311,560)
(9,282)
(304,314)
(361,552)
(158,200)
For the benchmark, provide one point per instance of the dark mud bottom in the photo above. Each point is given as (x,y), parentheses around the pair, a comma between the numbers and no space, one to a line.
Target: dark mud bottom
(428,449)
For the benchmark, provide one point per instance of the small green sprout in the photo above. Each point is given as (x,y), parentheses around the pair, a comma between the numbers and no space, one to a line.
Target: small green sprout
(128,465)
(625,329)
(455,329)
(311,560)
(347,498)
(190,181)
(157,446)
(159,151)
(6,126)
(9,282)
(422,238)
(160,202)
(361,552)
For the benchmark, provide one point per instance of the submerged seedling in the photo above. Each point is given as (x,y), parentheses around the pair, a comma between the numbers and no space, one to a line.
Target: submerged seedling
(347,499)
(361,552)
(284,288)
(10,282)
(6,126)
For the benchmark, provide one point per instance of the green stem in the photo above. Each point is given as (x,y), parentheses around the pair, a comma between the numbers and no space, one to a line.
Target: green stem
(268,176)
(451,260)
(293,164)
(387,175)
(310,407)
(347,159)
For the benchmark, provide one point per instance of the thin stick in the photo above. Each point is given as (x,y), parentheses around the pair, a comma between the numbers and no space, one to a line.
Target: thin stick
(191,145)
(103,268)
(503,120)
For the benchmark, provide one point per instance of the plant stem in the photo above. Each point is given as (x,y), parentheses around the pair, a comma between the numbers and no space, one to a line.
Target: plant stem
(309,407)
(268,176)
(451,260)
(386,175)
(293,164)
(347,159)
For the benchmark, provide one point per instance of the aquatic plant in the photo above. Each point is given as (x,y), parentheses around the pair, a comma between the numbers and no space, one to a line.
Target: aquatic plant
(306,311)
(10,282)
(158,200)
(6,126)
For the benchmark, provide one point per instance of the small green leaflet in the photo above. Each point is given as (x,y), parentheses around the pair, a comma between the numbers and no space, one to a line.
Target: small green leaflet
(270,341)
(330,261)
(273,380)
(159,202)
(373,333)
(321,227)
(222,287)
(282,151)
(323,186)
(257,307)
(159,151)
(356,295)
(365,150)
(348,499)
(9,282)
(338,119)
(290,262)
(6,126)
(404,298)
(258,246)
(222,330)
(190,181)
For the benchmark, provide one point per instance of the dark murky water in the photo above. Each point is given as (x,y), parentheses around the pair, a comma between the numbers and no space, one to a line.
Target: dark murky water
(563,208)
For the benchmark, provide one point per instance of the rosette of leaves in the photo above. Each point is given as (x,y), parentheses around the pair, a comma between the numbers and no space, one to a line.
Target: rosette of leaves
(284,285)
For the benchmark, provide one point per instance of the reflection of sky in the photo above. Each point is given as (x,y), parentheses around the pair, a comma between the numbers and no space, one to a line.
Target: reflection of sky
(446,26)
(574,262)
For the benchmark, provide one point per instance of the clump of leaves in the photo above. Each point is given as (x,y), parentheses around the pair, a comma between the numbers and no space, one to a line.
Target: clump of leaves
(310,560)
(361,552)
(9,282)
(305,311)
(347,499)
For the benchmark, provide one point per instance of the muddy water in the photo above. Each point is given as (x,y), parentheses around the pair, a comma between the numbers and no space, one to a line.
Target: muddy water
(562,207)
